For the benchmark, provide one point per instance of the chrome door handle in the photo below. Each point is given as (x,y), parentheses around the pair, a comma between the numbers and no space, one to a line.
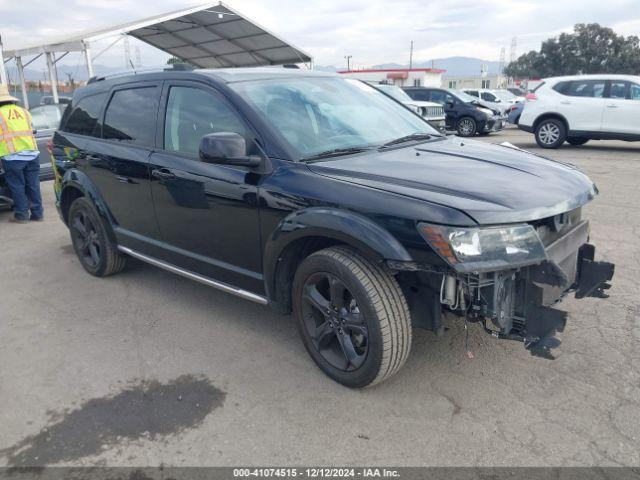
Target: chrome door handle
(612,106)
(565,103)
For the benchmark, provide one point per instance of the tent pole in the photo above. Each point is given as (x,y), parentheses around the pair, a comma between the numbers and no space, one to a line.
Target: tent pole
(52,77)
(3,71)
(87,59)
(23,85)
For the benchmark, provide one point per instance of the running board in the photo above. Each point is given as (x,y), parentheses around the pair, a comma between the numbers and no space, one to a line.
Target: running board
(194,276)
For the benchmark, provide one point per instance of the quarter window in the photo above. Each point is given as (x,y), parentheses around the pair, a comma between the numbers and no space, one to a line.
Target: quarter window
(130,116)
(83,119)
(193,113)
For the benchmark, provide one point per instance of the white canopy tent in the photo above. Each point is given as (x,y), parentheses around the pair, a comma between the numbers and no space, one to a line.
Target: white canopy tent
(208,36)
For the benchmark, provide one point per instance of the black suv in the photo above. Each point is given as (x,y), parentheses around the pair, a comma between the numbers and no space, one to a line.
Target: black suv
(465,114)
(321,196)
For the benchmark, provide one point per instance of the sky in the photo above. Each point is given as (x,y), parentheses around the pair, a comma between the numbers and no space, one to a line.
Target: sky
(371,31)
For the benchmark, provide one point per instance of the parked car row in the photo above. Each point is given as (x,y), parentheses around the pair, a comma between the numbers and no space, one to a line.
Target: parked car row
(465,114)
(430,111)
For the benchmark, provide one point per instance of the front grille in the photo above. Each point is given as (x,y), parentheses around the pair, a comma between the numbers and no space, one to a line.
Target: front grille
(434,112)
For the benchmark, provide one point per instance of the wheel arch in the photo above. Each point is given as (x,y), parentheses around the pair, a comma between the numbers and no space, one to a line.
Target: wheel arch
(550,115)
(307,231)
(76,184)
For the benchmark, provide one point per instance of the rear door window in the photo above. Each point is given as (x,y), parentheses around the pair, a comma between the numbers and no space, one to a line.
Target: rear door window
(131,116)
(83,119)
(489,97)
(585,88)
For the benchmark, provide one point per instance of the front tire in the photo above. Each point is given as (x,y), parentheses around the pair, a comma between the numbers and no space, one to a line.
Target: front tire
(466,127)
(550,133)
(352,317)
(97,253)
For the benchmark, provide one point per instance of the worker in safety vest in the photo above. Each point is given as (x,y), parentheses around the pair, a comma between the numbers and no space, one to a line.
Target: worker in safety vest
(19,154)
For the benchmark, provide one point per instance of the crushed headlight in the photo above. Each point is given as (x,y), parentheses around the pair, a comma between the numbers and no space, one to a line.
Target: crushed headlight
(478,249)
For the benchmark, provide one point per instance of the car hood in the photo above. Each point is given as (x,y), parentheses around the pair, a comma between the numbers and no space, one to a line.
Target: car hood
(490,183)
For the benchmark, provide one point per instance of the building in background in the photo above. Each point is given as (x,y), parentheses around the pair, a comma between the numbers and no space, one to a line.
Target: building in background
(401,77)
(475,81)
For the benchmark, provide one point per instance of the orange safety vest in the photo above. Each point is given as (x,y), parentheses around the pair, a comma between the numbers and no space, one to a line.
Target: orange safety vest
(16,133)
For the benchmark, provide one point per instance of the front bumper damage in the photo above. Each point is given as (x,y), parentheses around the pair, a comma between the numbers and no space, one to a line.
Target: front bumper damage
(514,304)
(517,304)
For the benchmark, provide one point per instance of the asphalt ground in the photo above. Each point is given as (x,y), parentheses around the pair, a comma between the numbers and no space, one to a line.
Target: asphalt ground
(146,368)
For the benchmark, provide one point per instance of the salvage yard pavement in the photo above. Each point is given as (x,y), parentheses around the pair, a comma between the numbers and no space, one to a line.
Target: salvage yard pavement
(146,368)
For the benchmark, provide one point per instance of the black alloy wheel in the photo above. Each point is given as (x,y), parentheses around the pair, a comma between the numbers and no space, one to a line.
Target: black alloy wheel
(352,316)
(86,239)
(97,253)
(333,320)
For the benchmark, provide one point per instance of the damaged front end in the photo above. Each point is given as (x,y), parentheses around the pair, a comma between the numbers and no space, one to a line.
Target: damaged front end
(508,277)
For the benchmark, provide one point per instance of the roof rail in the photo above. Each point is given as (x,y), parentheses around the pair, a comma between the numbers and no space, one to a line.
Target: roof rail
(176,67)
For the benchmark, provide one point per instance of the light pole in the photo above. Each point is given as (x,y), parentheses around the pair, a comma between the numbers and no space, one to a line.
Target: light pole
(348,58)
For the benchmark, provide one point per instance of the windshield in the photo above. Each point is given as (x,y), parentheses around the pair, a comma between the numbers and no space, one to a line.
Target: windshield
(465,97)
(316,115)
(504,94)
(395,92)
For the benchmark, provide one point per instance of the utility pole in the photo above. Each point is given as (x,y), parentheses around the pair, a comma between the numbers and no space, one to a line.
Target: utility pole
(411,56)
(3,70)
(348,58)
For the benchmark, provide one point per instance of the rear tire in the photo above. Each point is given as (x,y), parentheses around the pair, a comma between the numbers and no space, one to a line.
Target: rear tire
(352,317)
(97,253)
(466,127)
(577,140)
(550,133)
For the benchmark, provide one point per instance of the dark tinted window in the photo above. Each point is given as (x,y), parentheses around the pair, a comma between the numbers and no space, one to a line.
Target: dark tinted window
(83,118)
(489,97)
(441,97)
(421,95)
(560,87)
(131,116)
(585,88)
(193,113)
(624,90)
(473,93)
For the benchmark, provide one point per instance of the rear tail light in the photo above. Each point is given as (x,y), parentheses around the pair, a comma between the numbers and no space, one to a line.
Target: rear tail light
(531,96)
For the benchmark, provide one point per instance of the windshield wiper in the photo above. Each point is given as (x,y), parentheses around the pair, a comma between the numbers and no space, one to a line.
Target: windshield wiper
(409,138)
(335,152)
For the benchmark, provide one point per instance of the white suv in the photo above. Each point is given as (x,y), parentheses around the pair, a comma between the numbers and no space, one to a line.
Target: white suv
(583,107)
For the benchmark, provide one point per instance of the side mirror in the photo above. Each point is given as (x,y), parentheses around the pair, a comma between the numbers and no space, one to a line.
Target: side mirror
(226,148)
(449,103)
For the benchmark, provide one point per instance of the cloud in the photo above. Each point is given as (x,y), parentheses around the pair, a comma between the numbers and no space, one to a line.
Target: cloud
(372,31)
